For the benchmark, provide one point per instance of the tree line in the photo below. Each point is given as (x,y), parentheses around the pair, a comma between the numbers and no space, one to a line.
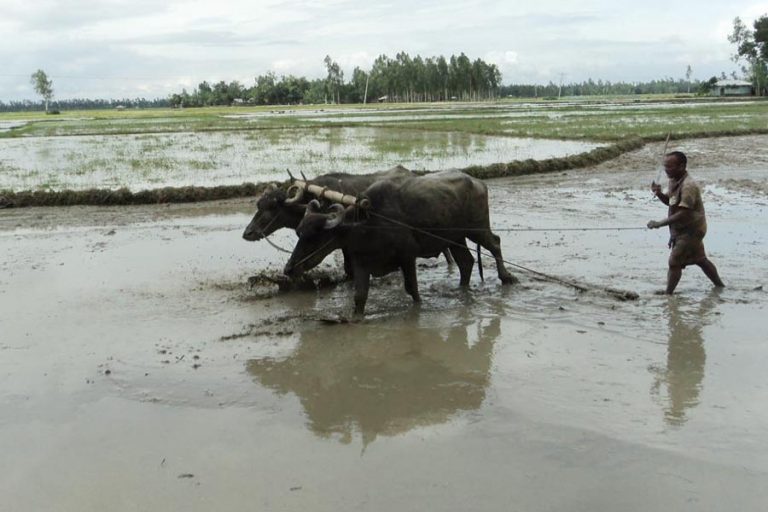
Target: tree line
(416,79)
(607,88)
(83,104)
(269,89)
(399,79)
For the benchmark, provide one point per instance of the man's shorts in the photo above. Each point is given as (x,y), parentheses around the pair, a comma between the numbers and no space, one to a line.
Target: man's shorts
(686,250)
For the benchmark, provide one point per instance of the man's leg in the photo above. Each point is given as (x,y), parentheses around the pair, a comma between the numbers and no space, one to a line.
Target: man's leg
(673,277)
(711,272)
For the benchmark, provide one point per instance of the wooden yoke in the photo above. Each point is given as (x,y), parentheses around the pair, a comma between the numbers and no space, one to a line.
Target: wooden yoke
(323,192)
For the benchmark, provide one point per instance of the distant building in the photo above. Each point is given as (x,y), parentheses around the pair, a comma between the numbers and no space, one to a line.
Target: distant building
(732,88)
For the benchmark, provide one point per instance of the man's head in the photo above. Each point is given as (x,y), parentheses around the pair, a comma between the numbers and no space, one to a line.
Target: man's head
(675,164)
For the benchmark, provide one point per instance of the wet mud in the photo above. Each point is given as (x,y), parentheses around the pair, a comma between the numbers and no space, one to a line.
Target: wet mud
(141,368)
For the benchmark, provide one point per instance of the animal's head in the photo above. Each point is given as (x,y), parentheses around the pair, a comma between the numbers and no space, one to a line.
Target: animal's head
(275,209)
(320,233)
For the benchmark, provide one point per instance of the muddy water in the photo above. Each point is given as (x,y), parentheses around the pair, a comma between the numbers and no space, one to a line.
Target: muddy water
(139,372)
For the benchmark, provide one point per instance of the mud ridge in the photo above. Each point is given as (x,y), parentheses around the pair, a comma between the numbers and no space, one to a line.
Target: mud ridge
(192,194)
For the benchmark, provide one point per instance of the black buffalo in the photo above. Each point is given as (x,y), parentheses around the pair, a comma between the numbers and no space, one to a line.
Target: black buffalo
(397,221)
(274,209)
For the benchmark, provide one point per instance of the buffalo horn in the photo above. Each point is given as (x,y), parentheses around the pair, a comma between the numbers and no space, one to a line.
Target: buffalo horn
(294,194)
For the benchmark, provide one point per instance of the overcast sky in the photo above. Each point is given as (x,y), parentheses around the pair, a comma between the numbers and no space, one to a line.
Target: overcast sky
(150,48)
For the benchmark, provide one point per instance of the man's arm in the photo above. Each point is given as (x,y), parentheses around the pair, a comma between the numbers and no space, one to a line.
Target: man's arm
(656,189)
(682,216)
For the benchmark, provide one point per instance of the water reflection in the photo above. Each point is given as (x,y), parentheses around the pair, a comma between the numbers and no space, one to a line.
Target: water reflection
(385,379)
(686,356)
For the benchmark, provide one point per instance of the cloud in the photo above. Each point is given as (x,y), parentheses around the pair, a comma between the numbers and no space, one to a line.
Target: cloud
(502,58)
(106,48)
(66,15)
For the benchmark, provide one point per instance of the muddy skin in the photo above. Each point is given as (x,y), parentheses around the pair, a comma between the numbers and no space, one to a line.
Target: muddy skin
(480,397)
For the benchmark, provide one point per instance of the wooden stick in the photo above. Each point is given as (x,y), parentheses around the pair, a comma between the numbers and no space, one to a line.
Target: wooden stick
(663,154)
(332,195)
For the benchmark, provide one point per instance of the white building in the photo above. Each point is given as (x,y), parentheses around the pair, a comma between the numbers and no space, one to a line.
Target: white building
(732,88)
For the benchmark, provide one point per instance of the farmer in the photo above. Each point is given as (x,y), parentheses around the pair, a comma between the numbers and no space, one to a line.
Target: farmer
(686,221)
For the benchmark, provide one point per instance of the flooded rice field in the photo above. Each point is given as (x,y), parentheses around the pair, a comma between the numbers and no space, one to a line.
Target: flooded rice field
(139,371)
(145,161)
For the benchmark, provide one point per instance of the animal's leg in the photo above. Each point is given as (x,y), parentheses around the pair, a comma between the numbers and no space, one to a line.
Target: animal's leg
(409,279)
(449,259)
(362,281)
(348,270)
(464,261)
(493,243)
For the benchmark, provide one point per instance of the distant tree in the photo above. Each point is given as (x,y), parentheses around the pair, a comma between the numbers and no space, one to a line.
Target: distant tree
(43,86)
(706,87)
(263,93)
(316,92)
(359,86)
(752,46)
(203,95)
(688,73)
(335,79)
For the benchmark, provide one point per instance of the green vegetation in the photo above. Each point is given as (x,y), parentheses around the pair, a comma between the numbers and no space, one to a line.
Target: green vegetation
(569,118)
(399,79)
(163,146)
(752,47)
(43,86)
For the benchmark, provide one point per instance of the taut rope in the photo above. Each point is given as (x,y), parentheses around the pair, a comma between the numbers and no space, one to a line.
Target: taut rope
(623,295)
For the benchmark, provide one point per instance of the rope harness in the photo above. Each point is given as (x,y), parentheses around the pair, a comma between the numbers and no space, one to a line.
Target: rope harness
(305,258)
(270,242)
(620,294)
(451,242)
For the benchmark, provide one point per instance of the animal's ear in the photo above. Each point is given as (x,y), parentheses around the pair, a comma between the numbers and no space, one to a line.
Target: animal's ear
(335,216)
(312,207)
(270,189)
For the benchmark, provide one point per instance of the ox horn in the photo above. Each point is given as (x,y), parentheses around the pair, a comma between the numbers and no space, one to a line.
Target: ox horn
(294,194)
(335,217)
(290,175)
(304,177)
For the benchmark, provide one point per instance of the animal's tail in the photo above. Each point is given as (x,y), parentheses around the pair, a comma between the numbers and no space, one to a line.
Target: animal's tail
(480,264)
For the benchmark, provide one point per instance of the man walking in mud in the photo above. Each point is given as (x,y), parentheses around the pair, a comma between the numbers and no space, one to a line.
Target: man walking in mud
(686,220)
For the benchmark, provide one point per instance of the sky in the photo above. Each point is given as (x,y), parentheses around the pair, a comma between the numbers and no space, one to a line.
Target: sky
(116,49)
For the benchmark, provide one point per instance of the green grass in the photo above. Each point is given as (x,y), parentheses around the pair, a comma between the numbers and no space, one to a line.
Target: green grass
(583,118)
(304,137)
